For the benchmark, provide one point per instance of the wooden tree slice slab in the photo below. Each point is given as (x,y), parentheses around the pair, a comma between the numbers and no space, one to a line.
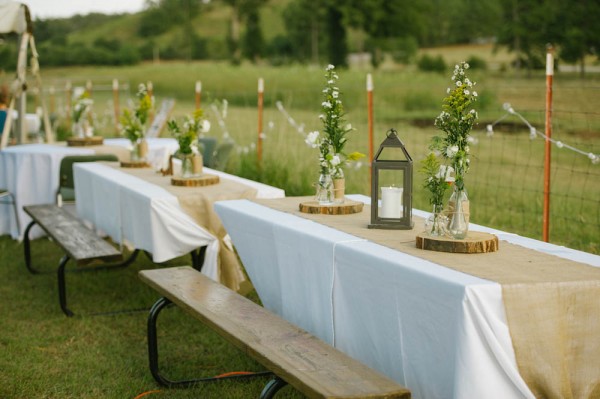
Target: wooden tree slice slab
(203,180)
(475,243)
(134,164)
(347,208)
(84,141)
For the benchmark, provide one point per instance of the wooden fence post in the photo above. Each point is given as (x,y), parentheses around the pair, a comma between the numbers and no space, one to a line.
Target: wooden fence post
(370,120)
(198,94)
(115,87)
(548,146)
(261,89)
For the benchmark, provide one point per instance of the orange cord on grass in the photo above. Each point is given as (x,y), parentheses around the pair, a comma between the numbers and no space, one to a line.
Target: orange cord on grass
(147,393)
(234,373)
(224,375)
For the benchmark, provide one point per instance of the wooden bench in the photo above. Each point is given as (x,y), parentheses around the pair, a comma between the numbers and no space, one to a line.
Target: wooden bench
(77,241)
(295,357)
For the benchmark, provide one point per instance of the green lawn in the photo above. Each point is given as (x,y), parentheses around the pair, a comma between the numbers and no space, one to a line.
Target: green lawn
(44,354)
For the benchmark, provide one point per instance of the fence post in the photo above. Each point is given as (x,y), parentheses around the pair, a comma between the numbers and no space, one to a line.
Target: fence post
(115,87)
(69,98)
(261,89)
(548,145)
(370,120)
(198,93)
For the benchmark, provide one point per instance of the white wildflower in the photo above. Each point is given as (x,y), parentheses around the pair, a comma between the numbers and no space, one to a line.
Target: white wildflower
(467,92)
(205,126)
(335,160)
(451,151)
(474,94)
(326,104)
(466,66)
(329,67)
(311,138)
(335,94)
(458,83)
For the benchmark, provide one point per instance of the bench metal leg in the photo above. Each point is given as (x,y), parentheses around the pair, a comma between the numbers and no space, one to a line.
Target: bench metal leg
(198,258)
(272,388)
(27,248)
(62,289)
(153,354)
(62,284)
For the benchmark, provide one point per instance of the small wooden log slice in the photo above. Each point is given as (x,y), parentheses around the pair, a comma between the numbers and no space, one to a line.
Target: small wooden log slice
(475,243)
(134,164)
(346,208)
(203,180)
(84,141)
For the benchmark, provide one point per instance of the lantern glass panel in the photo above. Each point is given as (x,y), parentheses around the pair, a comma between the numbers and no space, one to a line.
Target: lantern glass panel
(390,192)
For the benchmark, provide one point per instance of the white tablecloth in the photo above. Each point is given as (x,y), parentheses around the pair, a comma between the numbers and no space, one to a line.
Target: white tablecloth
(30,173)
(441,333)
(134,212)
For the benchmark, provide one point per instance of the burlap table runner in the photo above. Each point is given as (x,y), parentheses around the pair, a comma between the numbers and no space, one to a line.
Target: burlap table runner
(121,152)
(198,203)
(552,304)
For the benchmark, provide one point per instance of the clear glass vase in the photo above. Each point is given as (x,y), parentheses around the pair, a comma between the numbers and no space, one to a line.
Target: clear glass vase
(187,166)
(135,151)
(325,193)
(139,150)
(339,187)
(436,224)
(458,214)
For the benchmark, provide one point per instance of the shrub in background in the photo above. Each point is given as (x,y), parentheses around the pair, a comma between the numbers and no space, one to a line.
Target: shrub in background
(428,63)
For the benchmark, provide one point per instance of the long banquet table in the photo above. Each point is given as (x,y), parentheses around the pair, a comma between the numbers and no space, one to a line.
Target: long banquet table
(139,208)
(440,332)
(30,173)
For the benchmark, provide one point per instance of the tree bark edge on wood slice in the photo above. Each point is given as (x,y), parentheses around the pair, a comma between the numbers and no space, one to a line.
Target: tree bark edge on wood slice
(475,243)
(348,207)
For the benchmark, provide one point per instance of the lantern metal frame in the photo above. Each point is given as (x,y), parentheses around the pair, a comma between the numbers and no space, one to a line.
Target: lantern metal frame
(405,222)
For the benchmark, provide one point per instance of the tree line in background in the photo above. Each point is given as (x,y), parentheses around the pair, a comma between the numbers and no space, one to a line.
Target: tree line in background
(321,31)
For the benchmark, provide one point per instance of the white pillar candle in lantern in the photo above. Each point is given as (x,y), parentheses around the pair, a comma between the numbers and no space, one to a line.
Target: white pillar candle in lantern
(391,202)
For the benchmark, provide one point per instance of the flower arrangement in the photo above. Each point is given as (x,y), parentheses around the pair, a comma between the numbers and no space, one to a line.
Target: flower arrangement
(333,140)
(82,105)
(133,123)
(456,120)
(438,178)
(187,134)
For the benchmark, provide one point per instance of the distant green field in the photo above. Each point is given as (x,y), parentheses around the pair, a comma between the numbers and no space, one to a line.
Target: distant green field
(505,180)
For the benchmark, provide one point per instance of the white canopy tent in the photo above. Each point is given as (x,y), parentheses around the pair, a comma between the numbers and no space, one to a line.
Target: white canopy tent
(15,17)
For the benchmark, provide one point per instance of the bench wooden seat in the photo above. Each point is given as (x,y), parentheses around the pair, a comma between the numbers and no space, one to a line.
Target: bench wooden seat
(79,243)
(296,357)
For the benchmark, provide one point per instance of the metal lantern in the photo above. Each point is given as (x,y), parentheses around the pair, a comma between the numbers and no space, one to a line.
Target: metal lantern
(391,186)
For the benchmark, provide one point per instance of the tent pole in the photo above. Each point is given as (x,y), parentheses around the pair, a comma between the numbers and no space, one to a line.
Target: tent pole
(35,67)
(21,91)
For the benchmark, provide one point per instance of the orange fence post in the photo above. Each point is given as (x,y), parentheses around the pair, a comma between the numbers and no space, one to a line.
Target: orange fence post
(548,145)
(69,96)
(370,120)
(198,93)
(115,87)
(52,93)
(89,87)
(261,89)
(150,89)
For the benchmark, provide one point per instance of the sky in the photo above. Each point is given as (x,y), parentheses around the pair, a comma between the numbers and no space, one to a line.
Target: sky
(43,9)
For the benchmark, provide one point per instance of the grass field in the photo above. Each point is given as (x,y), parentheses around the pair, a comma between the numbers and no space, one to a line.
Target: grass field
(44,354)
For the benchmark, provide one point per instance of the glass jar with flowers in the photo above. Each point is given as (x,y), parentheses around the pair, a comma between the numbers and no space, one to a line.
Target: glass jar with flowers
(82,107)
(187,137)
(133,124)
(456,121)
(332,158)
(437,180)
